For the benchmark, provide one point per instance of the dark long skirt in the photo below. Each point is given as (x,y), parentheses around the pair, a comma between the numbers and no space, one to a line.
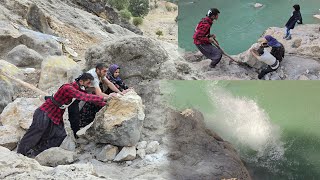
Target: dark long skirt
(41,135)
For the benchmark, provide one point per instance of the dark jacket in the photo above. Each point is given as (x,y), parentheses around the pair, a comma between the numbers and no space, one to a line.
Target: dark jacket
(278,52)
(117,81)
(296,17)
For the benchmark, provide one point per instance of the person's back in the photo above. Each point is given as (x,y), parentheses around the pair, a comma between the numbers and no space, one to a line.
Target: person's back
(278,52)
(202,31)
(267,58)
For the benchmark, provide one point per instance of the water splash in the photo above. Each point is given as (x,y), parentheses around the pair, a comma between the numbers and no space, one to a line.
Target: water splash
(241,121)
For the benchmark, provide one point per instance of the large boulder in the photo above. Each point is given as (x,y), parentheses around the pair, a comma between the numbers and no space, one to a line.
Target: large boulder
(7,86)
(12,36)
(9,137)
(20,112)
(57,70)
(22,56)
(248,58)
(55,156)
(37,20)
(139,57)
(19,167)
(199,153)
(120,122)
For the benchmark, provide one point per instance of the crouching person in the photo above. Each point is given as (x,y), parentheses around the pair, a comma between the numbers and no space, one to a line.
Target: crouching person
(264,56)
(47,128)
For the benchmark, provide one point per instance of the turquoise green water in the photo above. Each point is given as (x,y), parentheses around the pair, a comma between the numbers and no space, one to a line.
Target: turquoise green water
(274,125)
(240,24)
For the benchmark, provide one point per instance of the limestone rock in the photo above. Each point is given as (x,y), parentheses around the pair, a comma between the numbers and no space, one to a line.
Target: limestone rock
(296,43)
(142,145)
(119,123)
(126,154)
(83,131)
(7,86)
(152,147)
(17,166)
(9,137)
(139,57)
(303,77)
(196,146)
(37,20)
(57,70)
(108,153)
(69,143)
(22,56)
(12,36)
(55,156)
(19,113)
(141,153)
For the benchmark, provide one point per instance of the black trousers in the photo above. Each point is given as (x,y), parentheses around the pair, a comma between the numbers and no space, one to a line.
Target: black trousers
(265,71)
(41,135)
(210,52)
(74,117)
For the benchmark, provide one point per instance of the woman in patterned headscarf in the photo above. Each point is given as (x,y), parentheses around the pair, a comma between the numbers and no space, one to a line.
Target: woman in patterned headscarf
(113,76)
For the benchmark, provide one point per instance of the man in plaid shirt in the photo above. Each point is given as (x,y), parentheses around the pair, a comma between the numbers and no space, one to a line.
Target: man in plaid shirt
(203,39)
(47,128)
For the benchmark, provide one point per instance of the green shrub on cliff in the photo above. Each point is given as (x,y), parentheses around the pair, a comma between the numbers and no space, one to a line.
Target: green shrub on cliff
(119,4)
(125,14)
(139,8)
(159,33)
(137,21)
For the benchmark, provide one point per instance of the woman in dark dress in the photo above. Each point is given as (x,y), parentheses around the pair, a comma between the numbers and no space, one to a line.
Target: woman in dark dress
(295,18)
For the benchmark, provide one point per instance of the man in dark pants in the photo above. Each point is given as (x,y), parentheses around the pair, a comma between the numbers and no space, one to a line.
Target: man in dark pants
(74,117)
(203,40)
(47,128)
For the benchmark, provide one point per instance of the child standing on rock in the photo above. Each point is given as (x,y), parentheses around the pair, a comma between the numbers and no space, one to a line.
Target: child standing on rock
(295,18)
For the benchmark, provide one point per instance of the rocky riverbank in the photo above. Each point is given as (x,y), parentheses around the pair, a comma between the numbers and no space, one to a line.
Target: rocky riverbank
(301,60)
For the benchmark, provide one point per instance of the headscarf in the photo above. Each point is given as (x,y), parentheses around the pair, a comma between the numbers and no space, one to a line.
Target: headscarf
(111,71)
(272,41)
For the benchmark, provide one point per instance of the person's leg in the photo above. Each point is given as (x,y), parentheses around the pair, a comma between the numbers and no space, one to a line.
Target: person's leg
(287,32)
(53,137)
(34,134)
(265,71)
(88,113)
(74,116)
(211,52)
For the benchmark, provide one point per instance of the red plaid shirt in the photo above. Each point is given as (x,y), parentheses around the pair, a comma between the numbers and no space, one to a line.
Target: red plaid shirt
(64,96)
(202,31)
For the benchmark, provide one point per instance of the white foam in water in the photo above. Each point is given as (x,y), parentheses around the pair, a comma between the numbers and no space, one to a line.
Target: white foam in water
(241,121)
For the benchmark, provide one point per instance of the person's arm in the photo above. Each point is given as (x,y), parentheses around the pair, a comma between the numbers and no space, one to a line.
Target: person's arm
(99,92)
(72,92)
(254,54)
(110,85)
